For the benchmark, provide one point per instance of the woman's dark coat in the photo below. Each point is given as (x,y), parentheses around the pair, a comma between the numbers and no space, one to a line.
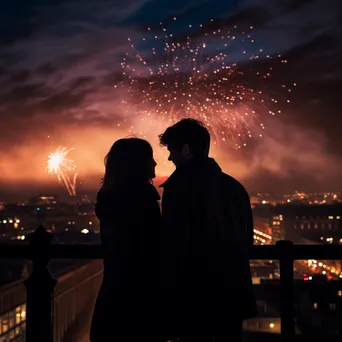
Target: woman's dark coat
(129,217)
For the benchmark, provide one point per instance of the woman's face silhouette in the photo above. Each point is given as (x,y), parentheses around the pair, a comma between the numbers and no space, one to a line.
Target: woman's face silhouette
(153,168)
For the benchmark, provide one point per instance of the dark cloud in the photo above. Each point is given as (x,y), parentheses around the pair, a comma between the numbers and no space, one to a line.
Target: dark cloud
(20,76)
(46,69)
(59,102)
(8,59)
(244,19)
(80,82)
(23,93)
(112,78)
(317,60)
(23,31)
(294,5)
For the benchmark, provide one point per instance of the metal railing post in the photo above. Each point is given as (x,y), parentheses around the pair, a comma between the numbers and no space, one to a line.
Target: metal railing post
(286,259)
(39,287)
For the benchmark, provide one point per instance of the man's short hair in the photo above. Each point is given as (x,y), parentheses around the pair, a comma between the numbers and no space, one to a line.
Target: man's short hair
(187,131)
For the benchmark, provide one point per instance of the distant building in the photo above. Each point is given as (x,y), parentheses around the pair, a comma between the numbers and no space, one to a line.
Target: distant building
(296,221)
(267,321)
(318,307)
(262,270)
(16,220)
(43,200)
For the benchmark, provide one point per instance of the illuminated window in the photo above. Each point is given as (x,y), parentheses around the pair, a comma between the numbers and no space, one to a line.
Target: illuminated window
(12,319)
(17,318)
(4,325)
(339,293)
(12,334)
(315,306)
(23,312)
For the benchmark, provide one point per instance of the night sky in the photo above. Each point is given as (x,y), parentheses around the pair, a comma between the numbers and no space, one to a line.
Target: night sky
(60,59)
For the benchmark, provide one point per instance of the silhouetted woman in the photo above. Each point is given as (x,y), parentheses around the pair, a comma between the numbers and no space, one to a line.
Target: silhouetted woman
(128,210)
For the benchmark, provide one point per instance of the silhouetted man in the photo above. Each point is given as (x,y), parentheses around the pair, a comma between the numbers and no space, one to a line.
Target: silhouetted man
(206,235)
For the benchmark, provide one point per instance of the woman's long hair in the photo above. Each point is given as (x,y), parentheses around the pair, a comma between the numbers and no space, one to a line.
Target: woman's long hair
(128,160)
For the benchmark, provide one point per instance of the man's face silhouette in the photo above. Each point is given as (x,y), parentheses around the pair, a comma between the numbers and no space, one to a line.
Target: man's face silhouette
(179,157)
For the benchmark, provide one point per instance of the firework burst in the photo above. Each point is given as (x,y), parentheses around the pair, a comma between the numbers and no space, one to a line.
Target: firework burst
(212,79)
(60,165)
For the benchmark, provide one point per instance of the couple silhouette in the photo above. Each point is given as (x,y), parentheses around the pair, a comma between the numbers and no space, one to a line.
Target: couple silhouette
(183,273)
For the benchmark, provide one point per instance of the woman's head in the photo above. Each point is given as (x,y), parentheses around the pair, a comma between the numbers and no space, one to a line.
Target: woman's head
(129,159)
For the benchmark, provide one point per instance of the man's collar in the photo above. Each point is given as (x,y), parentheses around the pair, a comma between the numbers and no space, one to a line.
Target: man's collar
(170,179)
(194,163)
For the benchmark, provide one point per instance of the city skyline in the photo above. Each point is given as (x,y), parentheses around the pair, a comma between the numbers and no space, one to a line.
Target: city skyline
(60,62)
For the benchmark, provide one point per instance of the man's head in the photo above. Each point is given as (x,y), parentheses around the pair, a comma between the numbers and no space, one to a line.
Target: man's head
(187,139)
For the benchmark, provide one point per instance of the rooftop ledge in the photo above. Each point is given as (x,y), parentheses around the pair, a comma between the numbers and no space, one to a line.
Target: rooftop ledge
(40,284)
(272,252)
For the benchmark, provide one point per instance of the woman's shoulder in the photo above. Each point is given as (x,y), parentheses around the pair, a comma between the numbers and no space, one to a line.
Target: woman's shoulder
(150,192)
(105,201)
(126,199)
(130,191)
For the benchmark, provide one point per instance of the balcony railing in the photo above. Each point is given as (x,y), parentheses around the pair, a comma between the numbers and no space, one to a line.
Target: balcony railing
(40,284)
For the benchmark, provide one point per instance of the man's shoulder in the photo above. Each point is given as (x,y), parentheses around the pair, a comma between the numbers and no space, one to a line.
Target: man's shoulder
(230,182)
